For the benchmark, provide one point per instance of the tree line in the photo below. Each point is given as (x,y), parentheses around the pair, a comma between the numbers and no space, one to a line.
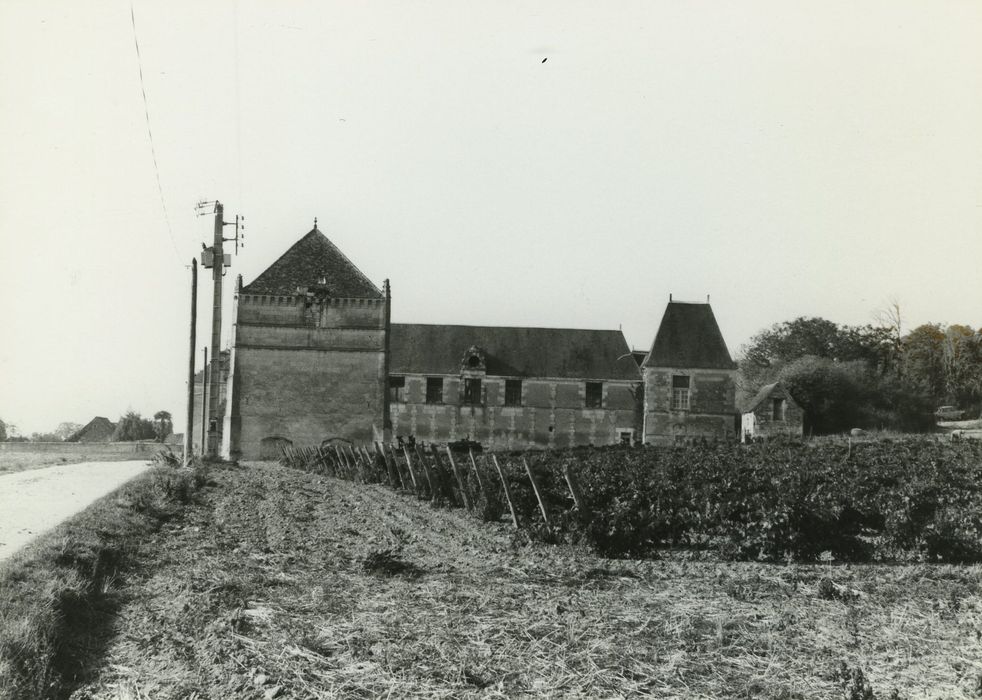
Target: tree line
(868,376)
(130,427)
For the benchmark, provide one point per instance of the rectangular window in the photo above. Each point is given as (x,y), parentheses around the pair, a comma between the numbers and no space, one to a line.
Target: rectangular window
(513,392)
(680,392)
(397,388)
(777,411)
(434,390)
(472,391)
(626,437)
(594,394)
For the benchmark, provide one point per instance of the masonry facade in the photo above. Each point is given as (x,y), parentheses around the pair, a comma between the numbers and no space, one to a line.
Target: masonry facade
(773,412)
(689,378)
(315,357)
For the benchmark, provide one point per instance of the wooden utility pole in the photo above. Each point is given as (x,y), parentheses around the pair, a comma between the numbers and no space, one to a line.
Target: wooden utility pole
(189,426)
(214,258)
(204,403)
(217,268)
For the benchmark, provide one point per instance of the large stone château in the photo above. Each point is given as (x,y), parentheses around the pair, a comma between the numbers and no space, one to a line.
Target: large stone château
(314,356)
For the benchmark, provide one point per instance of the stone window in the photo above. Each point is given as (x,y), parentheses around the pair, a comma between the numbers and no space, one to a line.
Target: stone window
(472,391)
(594,394)
(434,390)
(513,392)
(626,437)
(397,388)
(778,408)
(680,392)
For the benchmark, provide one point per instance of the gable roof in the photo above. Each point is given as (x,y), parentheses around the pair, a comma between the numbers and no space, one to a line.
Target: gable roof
(767,391)
(689,336)
(417,348)
(308,261)
(99,429)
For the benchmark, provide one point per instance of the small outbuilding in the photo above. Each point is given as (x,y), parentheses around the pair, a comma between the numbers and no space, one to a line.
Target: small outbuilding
(773,412)
(99,429)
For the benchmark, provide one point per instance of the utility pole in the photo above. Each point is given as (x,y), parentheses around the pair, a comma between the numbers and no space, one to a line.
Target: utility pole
(217,271)
(204,403)
(189,429)
(215,258)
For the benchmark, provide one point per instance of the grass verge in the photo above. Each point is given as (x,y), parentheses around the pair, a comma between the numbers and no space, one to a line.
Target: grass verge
(59,595)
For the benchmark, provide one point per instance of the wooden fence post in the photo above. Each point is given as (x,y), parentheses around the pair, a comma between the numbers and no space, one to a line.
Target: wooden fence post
(409,468)
(342,465)
(574,487)
(504,483)
(417,485)
(538,495)
(426,470)
(460,480)
(477,472)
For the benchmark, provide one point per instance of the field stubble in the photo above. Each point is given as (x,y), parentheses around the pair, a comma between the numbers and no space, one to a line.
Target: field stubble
(285,584)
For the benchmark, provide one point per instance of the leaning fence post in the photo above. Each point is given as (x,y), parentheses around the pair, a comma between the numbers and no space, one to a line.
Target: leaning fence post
(504,483)
(477,473)
(409,468)
(343,465)
(574,487)
(460,481)
(538,495)
(426,470)
(417,486)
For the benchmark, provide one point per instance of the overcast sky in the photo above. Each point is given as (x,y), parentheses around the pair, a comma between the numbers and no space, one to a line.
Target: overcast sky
(564,164)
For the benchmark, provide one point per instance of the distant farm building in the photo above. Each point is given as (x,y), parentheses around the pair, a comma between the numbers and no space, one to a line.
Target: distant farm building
(98,429)
(773,412)
(315,358)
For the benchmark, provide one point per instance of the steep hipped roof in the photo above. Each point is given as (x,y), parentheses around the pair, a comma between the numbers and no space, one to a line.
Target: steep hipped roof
(767,391)
(309,261)
(689,337)
(518,352)
(99,429)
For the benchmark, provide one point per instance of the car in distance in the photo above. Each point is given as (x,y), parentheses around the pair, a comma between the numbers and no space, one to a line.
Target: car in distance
(949,413)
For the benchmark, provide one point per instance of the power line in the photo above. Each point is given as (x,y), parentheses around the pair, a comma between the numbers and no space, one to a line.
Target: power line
(153,150)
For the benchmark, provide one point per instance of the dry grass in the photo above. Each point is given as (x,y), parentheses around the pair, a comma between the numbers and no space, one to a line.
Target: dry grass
(284,584)
(18,462)
(59,595)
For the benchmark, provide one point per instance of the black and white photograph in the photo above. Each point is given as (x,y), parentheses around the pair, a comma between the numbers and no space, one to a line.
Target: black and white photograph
(455,349)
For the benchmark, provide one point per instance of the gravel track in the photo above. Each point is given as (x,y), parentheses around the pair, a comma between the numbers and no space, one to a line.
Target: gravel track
(32,502)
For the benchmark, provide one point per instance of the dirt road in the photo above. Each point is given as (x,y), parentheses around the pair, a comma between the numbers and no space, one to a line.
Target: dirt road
(34,501)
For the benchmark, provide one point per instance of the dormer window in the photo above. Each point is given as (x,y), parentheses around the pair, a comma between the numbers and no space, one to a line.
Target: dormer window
(473,361)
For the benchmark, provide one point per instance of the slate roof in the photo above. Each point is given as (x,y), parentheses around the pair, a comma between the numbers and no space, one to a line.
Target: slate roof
(306,263)
(765,393)
(417,348)
(99,429)
(689,337)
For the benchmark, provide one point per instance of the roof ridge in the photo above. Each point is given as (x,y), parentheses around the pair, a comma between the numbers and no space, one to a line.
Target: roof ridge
(347,260)
(536,328)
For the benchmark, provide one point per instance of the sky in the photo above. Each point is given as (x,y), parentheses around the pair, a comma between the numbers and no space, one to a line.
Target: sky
(550,163)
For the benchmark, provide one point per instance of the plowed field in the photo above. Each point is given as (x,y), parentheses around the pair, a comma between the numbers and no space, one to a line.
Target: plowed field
(283,584)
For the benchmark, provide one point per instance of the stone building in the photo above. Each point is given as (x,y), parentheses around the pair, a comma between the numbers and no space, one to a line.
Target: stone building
(689,378)
(315,356)
(99,429)
(510,388)
(773,412)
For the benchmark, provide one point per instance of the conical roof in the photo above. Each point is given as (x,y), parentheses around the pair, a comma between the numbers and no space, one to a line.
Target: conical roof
(689,337)
(314,261)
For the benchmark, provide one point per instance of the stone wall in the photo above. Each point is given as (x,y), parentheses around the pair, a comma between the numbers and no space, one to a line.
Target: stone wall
(93,449)
(304,372)
(552,414)
(712,405)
